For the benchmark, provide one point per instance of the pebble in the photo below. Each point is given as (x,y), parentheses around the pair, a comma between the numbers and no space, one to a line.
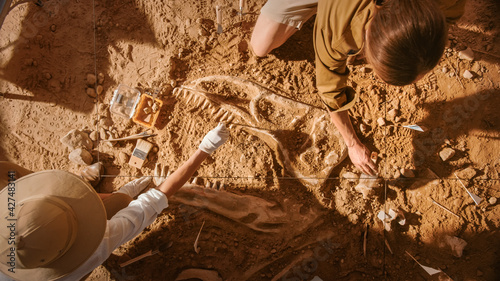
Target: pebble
(466,54)
(53,28)
(102,133)
(273,251)
(100,78)
(407,173)
(122,157)
(492,200)
(391,114)
(76,139)
(99,89)
(362,69)
(468,75)
(444,69)
(91,92)
(91,79)
(93,135)
(446,154)
(467,173)
(81,157)
(47,75)
(381,121)
(363,128)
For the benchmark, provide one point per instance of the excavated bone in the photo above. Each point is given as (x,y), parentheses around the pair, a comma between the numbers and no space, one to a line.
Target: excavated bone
(206,103)
(367,185)
(253,212)
(195,180)
(387,218)
(176,92)
(199,274)
(311,162)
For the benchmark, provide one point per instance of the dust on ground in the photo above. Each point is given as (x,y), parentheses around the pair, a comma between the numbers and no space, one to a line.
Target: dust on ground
(279,201)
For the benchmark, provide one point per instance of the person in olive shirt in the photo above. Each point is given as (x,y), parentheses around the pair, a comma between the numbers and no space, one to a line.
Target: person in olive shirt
(401,39)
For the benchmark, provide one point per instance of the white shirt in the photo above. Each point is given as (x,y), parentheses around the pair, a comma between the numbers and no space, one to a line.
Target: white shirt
(122,227)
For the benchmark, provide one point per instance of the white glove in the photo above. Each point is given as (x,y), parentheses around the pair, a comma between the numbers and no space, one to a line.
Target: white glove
(214,138)
(135,187)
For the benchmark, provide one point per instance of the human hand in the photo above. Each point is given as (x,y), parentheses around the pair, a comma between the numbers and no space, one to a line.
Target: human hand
(214,138)
(135,187)
(360,157)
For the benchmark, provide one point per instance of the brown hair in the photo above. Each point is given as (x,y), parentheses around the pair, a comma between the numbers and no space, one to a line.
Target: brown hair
(406,38)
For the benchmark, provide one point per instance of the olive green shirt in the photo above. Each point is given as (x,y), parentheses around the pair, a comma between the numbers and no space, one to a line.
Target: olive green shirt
(339,31)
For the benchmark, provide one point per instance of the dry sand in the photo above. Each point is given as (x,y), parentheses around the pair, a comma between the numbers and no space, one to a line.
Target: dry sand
(288,208)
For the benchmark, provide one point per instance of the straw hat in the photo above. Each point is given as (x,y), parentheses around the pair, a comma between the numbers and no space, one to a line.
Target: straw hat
(60,223)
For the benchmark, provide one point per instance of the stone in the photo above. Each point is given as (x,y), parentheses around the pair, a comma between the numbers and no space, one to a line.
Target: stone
(94,135)
(105,122)
(468,75)
(53,28)
(362,69)
(77,139)
(456,244)
(91,80)
(100,78)
(492,200)
(407,173)
(363,128)
(102,133)
(466,54)
(467,173)
(99,89)
(123,157)
(446,154)
(47,75)
(391,114)
(91,92)
(444,69)
(381,121)
(80,156)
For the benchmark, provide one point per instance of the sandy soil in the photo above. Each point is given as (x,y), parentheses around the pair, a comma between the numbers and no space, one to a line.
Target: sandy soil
(279,201)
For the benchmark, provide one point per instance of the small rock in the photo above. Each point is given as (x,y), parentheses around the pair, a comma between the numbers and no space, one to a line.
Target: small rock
(467,173)
(362,69)
(105,123)
(100,78)
(99,89)
(91,80)
(273,251)
(77,139)
(466,54)
(28,62)
(35,63)
(444,69)
(81,157)
(47,75)
(492,200)
(407,173)
(53,28)
(456,244)
(102,133)
(381,121)
(91,92)
(363,128)
(391,114)
(468,75)
(93,135)
(446,154)
(123,157)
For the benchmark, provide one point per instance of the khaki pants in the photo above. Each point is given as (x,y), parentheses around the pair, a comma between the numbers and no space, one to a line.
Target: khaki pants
(113,202)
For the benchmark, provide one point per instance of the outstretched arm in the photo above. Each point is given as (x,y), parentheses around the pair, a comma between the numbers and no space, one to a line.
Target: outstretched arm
(183,173)
(358,152)
(210,143)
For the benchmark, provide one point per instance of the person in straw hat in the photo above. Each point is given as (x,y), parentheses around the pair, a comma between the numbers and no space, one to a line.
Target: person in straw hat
(54,225)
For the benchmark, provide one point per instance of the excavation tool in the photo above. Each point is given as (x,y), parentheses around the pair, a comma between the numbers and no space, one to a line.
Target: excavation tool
(242,6)
(140,153)
(162,248)
(142,135)
(474,197)
(429,270)
(218,12)
(196,248)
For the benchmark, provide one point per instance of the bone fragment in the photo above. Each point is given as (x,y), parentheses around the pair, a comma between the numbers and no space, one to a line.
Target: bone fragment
(196,248)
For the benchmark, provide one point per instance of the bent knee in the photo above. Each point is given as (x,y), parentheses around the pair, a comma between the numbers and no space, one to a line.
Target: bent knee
(259,49)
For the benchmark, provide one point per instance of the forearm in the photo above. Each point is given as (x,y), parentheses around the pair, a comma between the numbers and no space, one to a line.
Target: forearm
(343,123)
(176,180)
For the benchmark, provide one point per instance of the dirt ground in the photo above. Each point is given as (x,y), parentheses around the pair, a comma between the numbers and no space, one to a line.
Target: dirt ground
(280,200)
